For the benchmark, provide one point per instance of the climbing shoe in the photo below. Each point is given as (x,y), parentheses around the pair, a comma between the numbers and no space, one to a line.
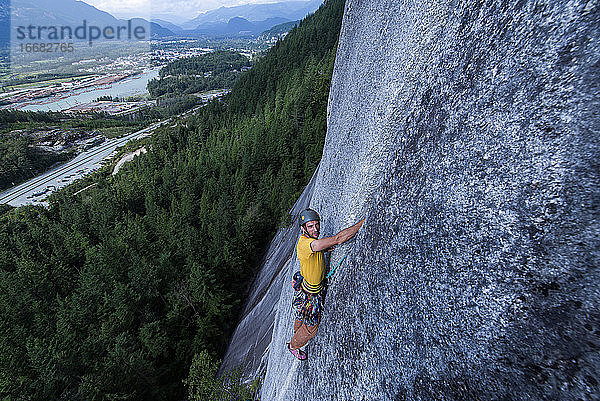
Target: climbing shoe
(298,353)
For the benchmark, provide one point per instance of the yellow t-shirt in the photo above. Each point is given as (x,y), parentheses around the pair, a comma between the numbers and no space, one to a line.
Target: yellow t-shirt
(312,265)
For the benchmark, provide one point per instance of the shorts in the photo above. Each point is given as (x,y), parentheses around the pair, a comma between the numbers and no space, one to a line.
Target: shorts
(308,307)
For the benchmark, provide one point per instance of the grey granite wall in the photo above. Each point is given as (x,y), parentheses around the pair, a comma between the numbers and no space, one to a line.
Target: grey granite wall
(467,133)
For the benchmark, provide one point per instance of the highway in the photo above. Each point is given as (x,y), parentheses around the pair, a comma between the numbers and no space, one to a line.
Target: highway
(36,190)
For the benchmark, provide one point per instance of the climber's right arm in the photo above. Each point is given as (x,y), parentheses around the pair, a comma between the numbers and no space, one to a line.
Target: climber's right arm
(341,237)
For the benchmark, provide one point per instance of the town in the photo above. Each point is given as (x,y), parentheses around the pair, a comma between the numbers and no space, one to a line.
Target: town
(105,98)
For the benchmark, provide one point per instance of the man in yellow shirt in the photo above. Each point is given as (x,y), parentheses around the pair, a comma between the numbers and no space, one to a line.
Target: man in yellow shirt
(308,301)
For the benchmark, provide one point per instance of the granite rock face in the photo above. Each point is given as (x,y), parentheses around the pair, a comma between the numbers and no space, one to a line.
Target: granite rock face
(468,135)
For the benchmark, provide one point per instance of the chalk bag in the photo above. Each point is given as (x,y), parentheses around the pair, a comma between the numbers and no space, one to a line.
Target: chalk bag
(297,281)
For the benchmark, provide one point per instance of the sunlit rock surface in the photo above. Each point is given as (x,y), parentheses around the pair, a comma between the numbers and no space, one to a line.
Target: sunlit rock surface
(467,134)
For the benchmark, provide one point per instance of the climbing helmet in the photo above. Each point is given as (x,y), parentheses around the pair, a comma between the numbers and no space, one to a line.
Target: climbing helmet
(308,215)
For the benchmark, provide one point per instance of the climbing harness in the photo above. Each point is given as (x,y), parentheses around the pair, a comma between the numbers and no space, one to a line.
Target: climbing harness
(297,279)
(308,307)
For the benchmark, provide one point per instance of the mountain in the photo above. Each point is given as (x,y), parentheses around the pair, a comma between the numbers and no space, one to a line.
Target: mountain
(467,135)
(58,12)
(168,18)
(73,13)
(239,24)
(226,21)
(261,26)
(280,29)
(157,31)
(288,11)
(168,25)
(236,26)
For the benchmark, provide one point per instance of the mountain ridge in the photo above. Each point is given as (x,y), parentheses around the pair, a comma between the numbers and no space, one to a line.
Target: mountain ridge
(250,19)
(291,10)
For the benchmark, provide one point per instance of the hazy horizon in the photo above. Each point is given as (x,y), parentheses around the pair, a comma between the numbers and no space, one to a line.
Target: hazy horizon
(176,11)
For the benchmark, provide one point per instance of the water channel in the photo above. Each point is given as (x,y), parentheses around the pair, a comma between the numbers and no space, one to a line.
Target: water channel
(130,86)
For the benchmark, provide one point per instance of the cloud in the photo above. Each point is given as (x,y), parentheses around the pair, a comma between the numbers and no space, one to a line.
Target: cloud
(179,9)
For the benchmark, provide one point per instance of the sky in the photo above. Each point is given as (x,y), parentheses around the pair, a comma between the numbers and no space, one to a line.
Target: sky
(178,10)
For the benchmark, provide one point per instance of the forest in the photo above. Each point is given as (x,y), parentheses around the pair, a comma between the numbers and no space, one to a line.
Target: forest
(129,289)
(20,161)
(197,74)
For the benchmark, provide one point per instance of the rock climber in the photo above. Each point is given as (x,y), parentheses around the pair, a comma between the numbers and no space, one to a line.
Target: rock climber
(308,300)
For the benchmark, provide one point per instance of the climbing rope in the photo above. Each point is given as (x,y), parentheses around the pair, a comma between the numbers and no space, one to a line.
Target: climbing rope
(336,266)
(332,272)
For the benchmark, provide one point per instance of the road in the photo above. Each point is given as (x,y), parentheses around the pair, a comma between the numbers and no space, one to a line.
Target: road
(37,189)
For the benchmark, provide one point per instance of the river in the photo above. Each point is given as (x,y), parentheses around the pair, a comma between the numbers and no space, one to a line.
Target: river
(131,86)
